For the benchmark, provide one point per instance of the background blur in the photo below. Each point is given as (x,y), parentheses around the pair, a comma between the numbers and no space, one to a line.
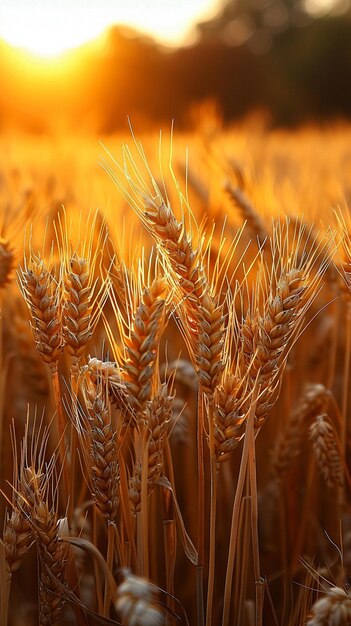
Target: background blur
(281,61)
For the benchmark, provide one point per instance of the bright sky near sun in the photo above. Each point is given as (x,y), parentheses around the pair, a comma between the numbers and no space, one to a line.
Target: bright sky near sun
(50,27)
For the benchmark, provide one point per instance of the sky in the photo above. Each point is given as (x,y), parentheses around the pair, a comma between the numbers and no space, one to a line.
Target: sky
(50,27)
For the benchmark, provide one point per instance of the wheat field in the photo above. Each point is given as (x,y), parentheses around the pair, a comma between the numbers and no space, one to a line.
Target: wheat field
(175,343)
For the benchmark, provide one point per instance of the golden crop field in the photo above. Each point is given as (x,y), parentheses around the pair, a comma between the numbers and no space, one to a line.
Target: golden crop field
(175,343)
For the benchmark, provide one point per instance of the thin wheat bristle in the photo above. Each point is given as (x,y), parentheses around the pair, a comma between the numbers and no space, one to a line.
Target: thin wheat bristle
(327,453)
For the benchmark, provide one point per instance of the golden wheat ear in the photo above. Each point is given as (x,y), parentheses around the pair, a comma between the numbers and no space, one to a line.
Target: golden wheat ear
(98,442)
(7,262)
(43,296)
(313,402)
(53,556)
(12,225)
(327,451)
(85,288)
(288,290)
(35,517)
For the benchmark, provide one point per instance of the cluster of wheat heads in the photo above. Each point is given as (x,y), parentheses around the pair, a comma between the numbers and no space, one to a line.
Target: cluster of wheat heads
(160,485)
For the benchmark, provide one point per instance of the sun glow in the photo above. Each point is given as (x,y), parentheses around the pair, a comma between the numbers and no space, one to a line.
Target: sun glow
(48,28)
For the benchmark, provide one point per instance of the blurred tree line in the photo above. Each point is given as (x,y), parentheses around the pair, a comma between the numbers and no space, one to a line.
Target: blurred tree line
(289,58)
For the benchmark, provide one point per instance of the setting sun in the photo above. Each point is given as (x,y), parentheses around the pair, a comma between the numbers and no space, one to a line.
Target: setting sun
(48,28)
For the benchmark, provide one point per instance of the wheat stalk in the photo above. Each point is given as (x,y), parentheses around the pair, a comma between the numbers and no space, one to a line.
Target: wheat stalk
(157,415)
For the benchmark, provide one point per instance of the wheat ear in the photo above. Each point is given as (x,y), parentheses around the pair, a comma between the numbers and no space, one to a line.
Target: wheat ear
(334,608)
(42,294)
(99,443)
(53,555)
(138,370)
(326,450)
(229,415)
(248,212)
(7,262)
(314,402)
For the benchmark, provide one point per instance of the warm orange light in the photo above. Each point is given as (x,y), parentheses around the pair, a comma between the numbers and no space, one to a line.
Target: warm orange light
(48,28)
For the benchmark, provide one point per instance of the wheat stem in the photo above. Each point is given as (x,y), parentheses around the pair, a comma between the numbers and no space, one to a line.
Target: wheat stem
(346,376)
(61,431)
(200,512)
(236,511)
(111,533)
(170,531)
(97,571)
(254,518)
(213,511)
